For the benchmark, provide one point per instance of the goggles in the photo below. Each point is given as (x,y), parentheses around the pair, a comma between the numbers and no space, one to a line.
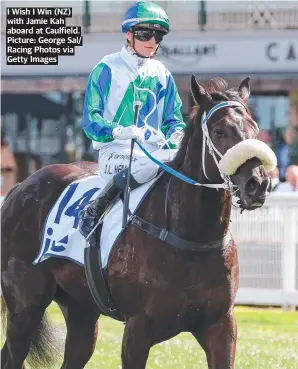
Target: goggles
(147,34)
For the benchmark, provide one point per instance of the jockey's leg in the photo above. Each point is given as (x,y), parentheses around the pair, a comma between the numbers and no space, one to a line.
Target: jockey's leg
(89,217)
(111,164)
(115,158)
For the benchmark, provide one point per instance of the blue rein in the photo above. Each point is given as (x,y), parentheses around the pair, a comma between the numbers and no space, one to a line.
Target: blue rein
(204,122)
(166,167)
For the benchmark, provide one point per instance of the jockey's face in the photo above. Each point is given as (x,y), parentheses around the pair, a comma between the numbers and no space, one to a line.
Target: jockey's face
(142,42)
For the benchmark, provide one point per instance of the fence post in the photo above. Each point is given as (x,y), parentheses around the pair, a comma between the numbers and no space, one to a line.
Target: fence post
(289,254)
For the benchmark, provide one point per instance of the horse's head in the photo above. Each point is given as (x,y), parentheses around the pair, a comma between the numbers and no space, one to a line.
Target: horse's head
(231,151)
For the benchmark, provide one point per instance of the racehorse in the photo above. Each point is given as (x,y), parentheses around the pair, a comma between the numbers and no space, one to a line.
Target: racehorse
(160,289)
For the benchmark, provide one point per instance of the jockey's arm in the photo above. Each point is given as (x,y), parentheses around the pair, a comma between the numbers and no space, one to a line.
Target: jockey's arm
(94,125)
(172,124)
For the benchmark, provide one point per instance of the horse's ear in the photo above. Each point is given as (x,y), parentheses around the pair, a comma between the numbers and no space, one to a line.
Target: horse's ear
(244,89)
(198,92)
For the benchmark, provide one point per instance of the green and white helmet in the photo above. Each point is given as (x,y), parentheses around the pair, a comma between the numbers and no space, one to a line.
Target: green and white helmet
(145,12)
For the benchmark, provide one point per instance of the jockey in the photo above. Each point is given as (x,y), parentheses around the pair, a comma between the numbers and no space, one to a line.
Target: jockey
(114,85)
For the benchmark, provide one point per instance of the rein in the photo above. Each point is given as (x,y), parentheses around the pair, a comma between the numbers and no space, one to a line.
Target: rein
(227,184)
(164,234)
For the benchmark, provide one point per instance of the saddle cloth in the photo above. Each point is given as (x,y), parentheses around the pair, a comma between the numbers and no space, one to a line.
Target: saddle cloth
(61,236)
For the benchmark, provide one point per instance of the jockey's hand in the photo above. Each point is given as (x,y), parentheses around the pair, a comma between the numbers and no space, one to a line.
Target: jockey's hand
(176,137)
(125,133)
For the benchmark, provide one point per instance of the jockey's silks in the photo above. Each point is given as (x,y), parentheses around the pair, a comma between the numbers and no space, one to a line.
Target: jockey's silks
(114,85)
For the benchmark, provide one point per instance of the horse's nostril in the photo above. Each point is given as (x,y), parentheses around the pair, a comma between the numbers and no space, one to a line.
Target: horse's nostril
(252,186)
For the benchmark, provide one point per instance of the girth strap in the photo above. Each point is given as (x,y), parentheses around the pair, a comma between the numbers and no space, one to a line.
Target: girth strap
(176,241)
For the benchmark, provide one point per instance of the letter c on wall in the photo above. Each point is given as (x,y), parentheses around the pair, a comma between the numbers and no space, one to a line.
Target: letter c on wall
(269,51)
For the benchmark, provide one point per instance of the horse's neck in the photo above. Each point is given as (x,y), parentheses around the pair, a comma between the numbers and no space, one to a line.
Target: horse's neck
(197,213)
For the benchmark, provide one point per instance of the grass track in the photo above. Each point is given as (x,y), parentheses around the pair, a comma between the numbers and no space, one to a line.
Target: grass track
(267,339)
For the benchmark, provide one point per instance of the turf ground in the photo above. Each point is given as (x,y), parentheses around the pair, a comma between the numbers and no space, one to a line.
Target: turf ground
(267,339)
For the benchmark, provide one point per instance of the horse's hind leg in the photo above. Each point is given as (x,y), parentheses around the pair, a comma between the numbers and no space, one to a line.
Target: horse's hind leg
(27,292)
(81,322)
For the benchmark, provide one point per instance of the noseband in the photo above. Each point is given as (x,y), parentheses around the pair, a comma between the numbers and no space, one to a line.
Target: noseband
(208,142)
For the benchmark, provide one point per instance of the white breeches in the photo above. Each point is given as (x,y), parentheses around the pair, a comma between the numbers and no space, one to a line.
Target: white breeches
(113,158)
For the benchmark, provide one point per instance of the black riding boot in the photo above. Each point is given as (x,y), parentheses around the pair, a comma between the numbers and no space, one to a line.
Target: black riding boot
(89,217)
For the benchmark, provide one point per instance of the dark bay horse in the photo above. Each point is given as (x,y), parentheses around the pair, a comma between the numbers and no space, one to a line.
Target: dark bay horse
(161,290)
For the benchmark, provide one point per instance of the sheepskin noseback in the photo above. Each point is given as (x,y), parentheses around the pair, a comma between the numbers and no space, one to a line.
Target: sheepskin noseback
(245,150)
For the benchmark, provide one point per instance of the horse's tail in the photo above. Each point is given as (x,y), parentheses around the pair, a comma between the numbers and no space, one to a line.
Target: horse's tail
(45,345)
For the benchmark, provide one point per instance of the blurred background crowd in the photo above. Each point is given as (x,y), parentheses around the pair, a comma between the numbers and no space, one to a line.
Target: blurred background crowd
(41,106)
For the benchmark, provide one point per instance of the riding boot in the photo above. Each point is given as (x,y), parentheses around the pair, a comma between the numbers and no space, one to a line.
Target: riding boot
(90,216)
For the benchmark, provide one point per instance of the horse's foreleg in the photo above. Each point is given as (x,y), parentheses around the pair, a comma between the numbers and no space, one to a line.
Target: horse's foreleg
(81,336)
(136,343)
(219,342)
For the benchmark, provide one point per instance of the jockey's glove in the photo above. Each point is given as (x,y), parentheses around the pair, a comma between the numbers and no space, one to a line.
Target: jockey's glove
(130,132)
(176,138)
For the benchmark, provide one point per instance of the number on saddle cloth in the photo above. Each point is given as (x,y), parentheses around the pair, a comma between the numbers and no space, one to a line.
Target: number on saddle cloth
(74,209)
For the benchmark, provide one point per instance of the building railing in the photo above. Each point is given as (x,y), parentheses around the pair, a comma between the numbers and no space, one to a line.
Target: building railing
(106,16)
(183,21)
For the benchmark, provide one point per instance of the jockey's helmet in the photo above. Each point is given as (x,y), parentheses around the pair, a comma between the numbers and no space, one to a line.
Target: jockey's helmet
(147,13)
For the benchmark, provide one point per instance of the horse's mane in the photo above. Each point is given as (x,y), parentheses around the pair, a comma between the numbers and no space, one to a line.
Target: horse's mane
(218,90)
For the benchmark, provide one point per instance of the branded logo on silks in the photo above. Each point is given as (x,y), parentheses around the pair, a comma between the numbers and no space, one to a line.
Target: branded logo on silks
(67,209)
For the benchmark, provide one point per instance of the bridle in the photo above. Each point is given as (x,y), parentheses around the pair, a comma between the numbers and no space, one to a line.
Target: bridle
(227,184)
(207,142)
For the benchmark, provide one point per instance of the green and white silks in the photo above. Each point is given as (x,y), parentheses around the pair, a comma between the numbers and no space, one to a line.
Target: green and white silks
(114,85)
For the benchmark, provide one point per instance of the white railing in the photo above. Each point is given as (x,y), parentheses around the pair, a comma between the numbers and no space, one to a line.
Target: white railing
(267,241)
(185,20)
(106,16)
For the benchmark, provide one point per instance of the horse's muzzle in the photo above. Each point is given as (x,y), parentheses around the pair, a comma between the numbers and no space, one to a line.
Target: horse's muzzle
(253,184)
(255,192)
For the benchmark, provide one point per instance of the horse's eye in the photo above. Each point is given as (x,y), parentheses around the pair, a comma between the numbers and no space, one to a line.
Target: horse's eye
(218,133)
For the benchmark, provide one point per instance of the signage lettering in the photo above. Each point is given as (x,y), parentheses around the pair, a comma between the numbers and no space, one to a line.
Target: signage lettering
(188,50)
(273,52)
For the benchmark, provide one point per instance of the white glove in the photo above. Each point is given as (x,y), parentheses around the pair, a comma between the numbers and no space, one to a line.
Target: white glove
(155,138)
(176,137)
(125,133)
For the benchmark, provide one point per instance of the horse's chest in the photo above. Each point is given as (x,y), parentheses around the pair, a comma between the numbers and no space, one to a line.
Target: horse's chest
(210,283)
